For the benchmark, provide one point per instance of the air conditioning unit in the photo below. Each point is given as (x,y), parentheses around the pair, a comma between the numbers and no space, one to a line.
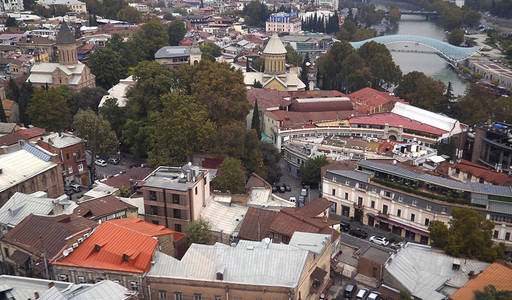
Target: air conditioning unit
(80,240)
(75,245)
(86,236)
(70,249)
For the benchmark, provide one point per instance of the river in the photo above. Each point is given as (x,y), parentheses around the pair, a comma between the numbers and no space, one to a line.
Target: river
(430,64)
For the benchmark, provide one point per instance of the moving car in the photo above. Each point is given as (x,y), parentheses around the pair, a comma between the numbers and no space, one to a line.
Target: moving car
(113,160)
(374,296)
(100,162)
(75,187)
(362,294)
(293,199)
(379,240)
(350,290)
(358,233)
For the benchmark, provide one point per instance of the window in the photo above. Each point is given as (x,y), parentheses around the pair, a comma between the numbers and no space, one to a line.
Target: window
(495,235)
(6,250)
(133,285)
(178,296)
(152,195)
(155,222)
(154,210)
(67,156)
(387,194)
(33,186)
(177,227)
(398,212)
(374,272)
(78,154)
(334,192)
(162,295)
(384,209)
(414,202)
(360,201)
(195,190)
(373,204)
(400,198)
(427,221)
(81,279)
(197,296)
(176,213)
(346,196)
(218,297)
(70,169)
(63,277)
(44,179)
(99,279)
(507,236)
(175,199)
(412,217)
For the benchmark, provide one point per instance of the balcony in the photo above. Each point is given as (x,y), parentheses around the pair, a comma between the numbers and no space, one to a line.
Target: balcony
(383,214)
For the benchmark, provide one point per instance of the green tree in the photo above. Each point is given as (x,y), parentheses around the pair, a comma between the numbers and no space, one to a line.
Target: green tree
(114,114)
(110,8)
(255,123)
(106,66)
(86,98)
(176,32)
(11,22)
(136,137)
(469,235)
(304,71)
(49,109)
(148,39)
(456,37)
(490,293)
(292,57)
(26,93)
(503,111)
(183,129)
(421,90)
(210,51)
(230,177)
(256,13)
(29,4)
(98,136)
(3,118)
(258,64)
(13,91)
(405,296)
(271,160)
(199,232)
(309,172)
(129,14)
(394,15)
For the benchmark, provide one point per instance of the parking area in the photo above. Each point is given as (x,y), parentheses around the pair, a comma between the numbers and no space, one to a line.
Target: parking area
(295,185)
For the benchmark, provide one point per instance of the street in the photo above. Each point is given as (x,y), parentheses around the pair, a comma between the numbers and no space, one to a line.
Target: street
(295,184)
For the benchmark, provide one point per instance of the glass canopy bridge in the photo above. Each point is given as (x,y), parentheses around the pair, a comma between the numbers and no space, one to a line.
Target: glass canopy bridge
(452,54)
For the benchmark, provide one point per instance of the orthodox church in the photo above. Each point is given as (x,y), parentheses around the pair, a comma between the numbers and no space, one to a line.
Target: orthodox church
(68,70)
(275,76)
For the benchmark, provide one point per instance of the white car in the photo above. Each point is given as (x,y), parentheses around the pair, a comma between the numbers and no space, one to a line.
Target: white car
(100,162)
(293,199)
(374,296)
(379,240)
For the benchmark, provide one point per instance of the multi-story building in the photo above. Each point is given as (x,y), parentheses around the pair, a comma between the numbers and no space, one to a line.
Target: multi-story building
(73,5)
(491,145)
(405,201)
(12,6)
(71,152)
(29,170)
(249,270)
(173,197)
(283,22)
(174,56)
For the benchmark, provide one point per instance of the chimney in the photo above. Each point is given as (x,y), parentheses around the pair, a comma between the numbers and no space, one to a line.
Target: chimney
(220,276)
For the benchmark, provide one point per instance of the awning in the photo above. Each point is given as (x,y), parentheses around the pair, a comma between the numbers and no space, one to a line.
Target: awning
(381,219)
(19,257)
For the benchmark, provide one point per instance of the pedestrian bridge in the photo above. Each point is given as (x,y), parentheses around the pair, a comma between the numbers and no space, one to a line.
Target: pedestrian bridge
(447,51)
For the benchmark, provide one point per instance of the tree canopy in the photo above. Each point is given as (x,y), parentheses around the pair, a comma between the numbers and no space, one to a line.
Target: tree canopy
(421,90)
(490,293)
(210,51)
(292,57)
(199,232)
(49,109)
(469,235)
(256,13)
(230,177)
(456,37)
(310,171)
(176,32)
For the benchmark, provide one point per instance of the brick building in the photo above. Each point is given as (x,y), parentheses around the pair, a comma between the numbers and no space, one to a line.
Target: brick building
(71,152)
(105,208)
(173,197)
(29,170)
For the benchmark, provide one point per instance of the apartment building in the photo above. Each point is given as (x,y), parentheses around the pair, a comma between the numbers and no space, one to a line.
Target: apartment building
(174,196)
(283,22)
(403,201)
(250,270)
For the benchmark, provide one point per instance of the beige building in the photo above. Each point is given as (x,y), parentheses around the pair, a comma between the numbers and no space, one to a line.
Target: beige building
(174,56)
(173,197)
(249,270)
(283,22)
(68,71)
(73,5)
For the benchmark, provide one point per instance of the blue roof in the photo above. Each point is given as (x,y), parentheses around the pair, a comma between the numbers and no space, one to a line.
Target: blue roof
(449,51)
(37,152)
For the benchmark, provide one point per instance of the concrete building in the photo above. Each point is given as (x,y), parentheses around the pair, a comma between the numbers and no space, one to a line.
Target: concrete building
(491,146)
(248,270)
(119,91)
(283,22)
(173,56)
(70,150)
(12,6)
(173,197)
(492,71)
(68,71)
(73,5)
(394,198)
(29,170)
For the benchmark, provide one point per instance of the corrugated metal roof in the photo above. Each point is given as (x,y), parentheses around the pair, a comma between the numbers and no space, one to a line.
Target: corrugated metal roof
(423,271)
(277,265)
(62,140)
(223,217)
(103,290)
(172,51)
(24,287)
(310,241)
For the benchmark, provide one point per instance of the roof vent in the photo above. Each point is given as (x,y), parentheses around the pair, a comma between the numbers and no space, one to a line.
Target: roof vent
(220,276)
(75,245)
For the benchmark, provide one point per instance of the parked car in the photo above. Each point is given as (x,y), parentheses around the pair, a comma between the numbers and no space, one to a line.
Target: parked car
(362,294)
(274,189)
(301,199)
(113,160)
(304,192)
(350,290)
(396,245)
(282,189)
(358,233)
(75,187)
(379,240)
(345,226)
(374,296)
(288,188)
(68,190)
(293,199)
(100,162)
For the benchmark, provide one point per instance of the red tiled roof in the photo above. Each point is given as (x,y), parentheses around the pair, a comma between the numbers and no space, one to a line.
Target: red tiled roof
(32,132)
(107,248)
(316,94)
(146,228)
(498,275)
(38,234)
(368,97)
(249,228)
(10,139)
(320,106)
(267,98)
(85,48)
(101,207)
(482,172)
(128,178)
(294,118)
(395,120)
(256,180)
(186,42)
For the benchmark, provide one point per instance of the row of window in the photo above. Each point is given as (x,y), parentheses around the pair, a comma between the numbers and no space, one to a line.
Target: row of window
(176,213)
(81,279)
(162,295)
